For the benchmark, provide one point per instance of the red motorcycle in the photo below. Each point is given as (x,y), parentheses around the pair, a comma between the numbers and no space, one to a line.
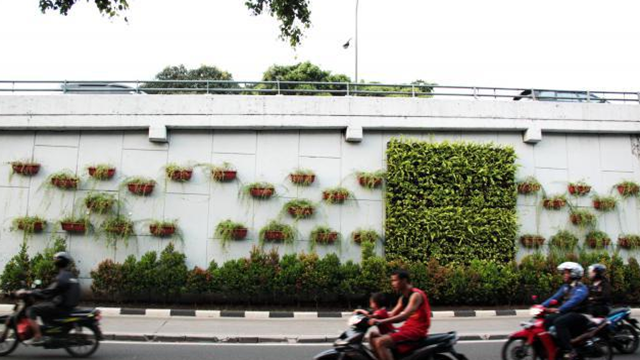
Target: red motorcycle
(534,342)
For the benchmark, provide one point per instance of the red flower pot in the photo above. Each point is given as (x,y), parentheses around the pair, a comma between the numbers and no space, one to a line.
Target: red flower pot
(302,178)
(64,183)
(532,241)
(74,227)
(26,169)
(239,233)
(141,189)
(625,243)
(559,203)
(273,235)
(375,183)
(38,226)
(597,204)
(593,243)
(166,230)
(628,190)
(181,175)
(300,212)
(224,175)
(576,220)
(108,175)
(336,197)
(327,238)
(261,193)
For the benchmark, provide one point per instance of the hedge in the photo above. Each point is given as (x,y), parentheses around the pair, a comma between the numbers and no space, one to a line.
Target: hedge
(452,202)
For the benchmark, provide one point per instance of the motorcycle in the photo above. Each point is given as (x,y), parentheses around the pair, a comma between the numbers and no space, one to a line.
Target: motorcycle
(535,342)
(623,330)
(350,345)
(78,333)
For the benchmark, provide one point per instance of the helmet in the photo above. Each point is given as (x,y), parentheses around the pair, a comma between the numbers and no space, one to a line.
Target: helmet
(577,271)
(598,270)
(62,259)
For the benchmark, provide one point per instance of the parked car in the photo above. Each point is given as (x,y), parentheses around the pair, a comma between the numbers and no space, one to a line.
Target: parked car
(98,88)
(559,96)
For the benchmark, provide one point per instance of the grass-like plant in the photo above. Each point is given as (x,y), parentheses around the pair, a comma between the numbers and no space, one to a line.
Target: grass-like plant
(229,230)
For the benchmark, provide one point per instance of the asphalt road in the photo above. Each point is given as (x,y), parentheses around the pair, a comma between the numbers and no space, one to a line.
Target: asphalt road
(482,350)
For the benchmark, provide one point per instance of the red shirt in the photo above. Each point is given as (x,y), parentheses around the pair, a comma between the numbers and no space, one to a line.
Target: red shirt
(383,328)
(420,321)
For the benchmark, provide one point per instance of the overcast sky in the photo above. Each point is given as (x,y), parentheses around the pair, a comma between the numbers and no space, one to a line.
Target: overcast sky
(545,43)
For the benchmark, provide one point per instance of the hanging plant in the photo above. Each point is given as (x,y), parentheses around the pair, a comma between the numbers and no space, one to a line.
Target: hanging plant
(29,224)
(275,231)
(101,172)
(556,202)
(582,218)
(579,188)
(323,235)
(604,203)
(628,188)
(360,236)
(259,190)
(597,239)
(222,173)
(25,168)
(532,241)
(302,177)
(627,241)
(178,173)
(564,240)
(117,228)
(163,228)
(63,180)
(75,225)
(140,186)
(228,230)
(371,180)
(529,185)
(100,203)
(300,208)
(336,195)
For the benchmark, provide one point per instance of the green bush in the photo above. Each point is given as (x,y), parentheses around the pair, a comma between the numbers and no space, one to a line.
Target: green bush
(450,201)
(107,280)
(170,273)
(17,272)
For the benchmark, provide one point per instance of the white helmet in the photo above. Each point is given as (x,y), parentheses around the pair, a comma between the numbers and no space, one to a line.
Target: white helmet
(577,271)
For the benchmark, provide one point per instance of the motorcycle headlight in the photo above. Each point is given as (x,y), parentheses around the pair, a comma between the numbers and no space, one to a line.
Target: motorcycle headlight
(536,310)
(354,320)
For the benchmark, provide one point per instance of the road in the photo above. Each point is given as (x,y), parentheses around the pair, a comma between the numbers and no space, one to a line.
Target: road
(476,350)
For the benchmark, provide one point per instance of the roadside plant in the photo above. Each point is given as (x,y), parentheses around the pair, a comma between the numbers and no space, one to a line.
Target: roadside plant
(101,172)
(259,190)
(582,218)
(65,180)
(163,228)
(371,180)
(564,240)
(628,188)
(100,203)
(360,236)
(140,186)
(29,224)
(75,224)
(597,239)
(300,208)
(532,241)
(528,185)
(178,173)
(302,177)
(604,203)
(336,195)
(276,231)
(229,230)
(555,202)
(579,188)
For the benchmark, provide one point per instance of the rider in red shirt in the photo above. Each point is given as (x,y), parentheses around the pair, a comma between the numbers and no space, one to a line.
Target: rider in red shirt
(412,308)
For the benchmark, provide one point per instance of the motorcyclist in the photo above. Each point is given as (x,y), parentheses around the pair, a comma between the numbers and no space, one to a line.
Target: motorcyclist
(61,297)
(599,301)
(572,297)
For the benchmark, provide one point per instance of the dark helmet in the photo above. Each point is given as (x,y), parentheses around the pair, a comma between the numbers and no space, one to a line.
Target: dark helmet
(62,259)
(598,270)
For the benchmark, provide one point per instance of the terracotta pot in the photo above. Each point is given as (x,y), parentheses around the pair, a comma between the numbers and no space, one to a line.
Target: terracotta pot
(525,188)
(327,238)
(576,220)
(624,243)
(274,235)
(64,183)
(26,169)
(73,227)
(141,189)
(261,193)
(38,226)
(166,230)
(593,243)
(181,175)
(627,190)
(572,189)
(102,208)
(300,212)
(597,204)
(239,233)
(302,178)
(224,175)
(363,182)
(532,241)
(559,203)
(336,197)
(108,175)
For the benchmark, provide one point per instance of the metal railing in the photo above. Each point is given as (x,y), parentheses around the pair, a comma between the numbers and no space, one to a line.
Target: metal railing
(308,88)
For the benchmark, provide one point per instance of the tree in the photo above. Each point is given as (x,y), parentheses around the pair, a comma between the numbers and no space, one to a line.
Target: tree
(180,72)
(294,15)
(306,72)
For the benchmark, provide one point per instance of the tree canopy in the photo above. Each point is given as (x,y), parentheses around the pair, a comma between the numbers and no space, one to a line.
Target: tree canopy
(180,72)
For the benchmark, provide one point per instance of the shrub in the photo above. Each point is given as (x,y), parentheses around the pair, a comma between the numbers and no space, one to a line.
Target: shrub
(17,272)
(170,273)
(198,281)
(43,267)
(107,281)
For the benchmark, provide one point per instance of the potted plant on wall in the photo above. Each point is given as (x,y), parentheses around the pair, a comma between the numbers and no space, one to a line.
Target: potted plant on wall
(597,239)
(100,203)
(117,228)
(300,208)
(532,241)
(564,240)
(229,230)
(336,195)
(555,202)
(178,173)
(140,186)
(302,177)
(163,228)
(101,172)
(29,224)
(582,218)
(579,188)
(222,173)
(276,231)
(371,180)
(25,168)
(259,190)
(628,241)
(364,235)
(604,203)
(75,224)
(323,235)
(628,188)
(63,180)
(528,185)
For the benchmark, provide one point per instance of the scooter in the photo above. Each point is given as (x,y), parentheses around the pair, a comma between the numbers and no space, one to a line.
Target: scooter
(535,342)
(350,345)
(78,333)
(624,330)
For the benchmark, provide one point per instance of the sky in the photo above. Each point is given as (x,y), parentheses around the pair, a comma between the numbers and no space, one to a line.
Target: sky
(562,44)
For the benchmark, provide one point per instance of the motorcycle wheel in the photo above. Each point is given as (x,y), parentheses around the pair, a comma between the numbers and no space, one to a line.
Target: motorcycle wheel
(86,341)
(626,340)
(602,350)
(517,349)
(10,343)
